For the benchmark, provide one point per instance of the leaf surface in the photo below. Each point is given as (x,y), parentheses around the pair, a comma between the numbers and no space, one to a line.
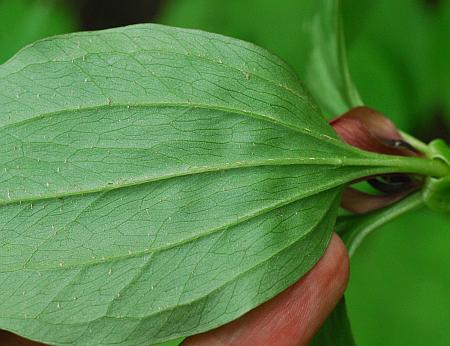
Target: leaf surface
(156,183)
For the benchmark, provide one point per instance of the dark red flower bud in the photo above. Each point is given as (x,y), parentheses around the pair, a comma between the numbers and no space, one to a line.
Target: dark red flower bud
(369,130)
(359,202)
(366,129)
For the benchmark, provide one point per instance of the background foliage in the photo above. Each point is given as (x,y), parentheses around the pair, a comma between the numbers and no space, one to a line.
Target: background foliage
(398,53)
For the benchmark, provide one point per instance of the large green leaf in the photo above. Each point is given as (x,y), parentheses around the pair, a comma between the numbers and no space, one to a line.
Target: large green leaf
(159,182)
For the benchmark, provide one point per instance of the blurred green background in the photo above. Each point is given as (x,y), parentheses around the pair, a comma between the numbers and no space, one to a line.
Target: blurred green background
(399,56)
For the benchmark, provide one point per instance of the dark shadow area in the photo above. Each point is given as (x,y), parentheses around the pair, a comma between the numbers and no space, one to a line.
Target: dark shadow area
(10,339)
(434,4)
(436,126)
(103,14)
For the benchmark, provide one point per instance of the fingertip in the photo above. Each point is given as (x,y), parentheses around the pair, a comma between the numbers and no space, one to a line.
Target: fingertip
(336,265)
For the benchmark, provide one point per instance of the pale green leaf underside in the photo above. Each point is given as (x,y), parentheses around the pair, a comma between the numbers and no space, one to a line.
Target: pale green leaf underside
(156,183)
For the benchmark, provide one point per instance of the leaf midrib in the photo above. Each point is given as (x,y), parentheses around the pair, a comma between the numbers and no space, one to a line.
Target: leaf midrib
(312,161)
(243,164)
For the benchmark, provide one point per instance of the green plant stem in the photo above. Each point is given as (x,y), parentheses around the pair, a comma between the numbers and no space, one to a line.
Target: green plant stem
(416,143)
(354,229)
(432,168)
(416,165)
